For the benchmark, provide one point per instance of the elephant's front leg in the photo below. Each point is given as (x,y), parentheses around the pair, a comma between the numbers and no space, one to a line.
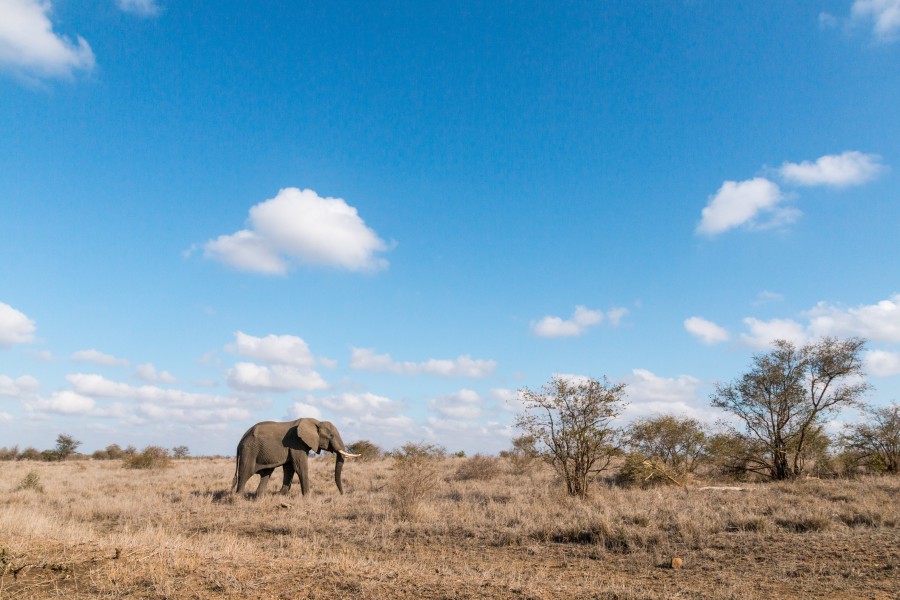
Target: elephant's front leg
(288,477)
(301,465)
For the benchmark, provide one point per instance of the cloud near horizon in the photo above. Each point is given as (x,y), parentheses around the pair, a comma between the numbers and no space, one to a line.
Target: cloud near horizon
(365,359)
(298,227)
(30,47)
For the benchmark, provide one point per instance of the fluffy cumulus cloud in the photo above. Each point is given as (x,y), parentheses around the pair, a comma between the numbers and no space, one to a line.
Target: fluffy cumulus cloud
(288,364)
(836,170)
(879,322)
(251,377)
(883,15)
(649,394)
(15,327)
(365,359)
(740,203)
(99,358)
(464,404)
(360,404)
(64,402)
(97,386)
(30,47)
(143,8)
(760,334)
(300,227)
(581,320)
(18,387)
(706,331)
(273,349)
(148,373)
(882,363)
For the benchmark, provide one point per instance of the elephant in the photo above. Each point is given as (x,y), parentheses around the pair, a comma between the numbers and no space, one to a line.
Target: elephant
(271,444)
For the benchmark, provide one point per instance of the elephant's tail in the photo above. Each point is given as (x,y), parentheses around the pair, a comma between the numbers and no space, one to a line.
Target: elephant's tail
(237,465)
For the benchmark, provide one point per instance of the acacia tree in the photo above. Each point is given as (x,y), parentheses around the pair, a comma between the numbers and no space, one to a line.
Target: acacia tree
(677,442)
(571,424)
(786,396)
(65,446)
(877,440)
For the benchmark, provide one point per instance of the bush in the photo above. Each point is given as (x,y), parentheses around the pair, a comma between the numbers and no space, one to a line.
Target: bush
(366,450)
(151,457)
(523,454)
(31,481)
(415,476)
(639,469)
(9,453)
(30,453)
(479,467)
(181,452)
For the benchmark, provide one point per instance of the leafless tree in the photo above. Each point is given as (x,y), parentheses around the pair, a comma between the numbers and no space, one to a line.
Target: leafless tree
(877,440)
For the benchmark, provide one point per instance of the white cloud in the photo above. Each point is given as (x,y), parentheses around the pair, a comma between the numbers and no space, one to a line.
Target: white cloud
(765,296)
(763,333)
(706,331)
(881,363)
(741,202)
(99,358)
(836,170)
(274,378)
(143,8)
(884,15)
(29,46)
(878,322)
(360,403)
(147,372)
(301,410)
(273,349)
(365,359)
(99,387)
(15,327)
(299,227)
(65,402)
(464,404)
(18,387)
(649,394)
(582,319)
(5,417)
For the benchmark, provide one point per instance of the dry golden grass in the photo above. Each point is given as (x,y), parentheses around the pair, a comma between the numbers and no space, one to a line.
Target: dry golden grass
(92,529)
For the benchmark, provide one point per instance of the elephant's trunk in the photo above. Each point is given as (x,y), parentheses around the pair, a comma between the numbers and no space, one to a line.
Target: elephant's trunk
(338,465)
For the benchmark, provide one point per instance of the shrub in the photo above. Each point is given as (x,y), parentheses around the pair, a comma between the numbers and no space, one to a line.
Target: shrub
(676,442)
(415,476)
(479,467)
(65,446)
(151,457)
(366,450)
(181,452)
(522,455)
(30,453)
(9,453)
(639,469)
(31,481)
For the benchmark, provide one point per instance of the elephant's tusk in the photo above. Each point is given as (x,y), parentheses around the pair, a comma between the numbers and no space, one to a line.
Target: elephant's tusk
(348,455)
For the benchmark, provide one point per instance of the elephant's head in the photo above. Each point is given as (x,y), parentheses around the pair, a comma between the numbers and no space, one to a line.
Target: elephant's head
(323,435)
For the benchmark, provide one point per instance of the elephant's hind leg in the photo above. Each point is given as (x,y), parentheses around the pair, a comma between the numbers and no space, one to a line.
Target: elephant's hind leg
(264,475)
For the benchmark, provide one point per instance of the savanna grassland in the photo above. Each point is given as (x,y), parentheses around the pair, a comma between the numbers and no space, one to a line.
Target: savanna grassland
(459,528)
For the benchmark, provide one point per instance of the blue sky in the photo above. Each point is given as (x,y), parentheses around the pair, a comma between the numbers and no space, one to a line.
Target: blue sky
(395,215)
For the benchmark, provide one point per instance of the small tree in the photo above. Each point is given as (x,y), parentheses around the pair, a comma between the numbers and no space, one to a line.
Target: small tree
(367,450)
(65,446)
(571,422)
(180,452)
(678,443)
(877,441)
(786,396)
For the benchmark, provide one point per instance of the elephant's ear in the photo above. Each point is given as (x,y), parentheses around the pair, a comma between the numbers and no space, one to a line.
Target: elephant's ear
(308,432)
